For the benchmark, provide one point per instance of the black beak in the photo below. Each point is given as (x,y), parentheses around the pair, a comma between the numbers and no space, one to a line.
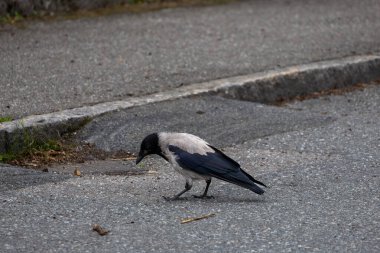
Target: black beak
(139,158)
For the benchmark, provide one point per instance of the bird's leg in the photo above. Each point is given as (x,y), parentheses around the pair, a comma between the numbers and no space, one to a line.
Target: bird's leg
(204,195)
(188,186)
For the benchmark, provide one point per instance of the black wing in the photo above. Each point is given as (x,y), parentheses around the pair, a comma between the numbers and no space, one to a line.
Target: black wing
(216,164)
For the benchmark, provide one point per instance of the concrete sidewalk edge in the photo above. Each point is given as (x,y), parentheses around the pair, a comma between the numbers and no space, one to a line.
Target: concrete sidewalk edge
(267,86)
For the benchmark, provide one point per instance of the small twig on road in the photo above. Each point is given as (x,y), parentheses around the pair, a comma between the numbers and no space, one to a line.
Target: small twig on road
(124,159)
(187,220)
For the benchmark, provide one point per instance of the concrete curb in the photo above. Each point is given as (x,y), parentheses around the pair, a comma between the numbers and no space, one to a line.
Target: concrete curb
(268,86)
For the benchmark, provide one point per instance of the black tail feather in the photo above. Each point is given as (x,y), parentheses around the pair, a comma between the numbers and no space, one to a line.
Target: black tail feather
(252,187)
(254,180)
(255,189)
(243,183)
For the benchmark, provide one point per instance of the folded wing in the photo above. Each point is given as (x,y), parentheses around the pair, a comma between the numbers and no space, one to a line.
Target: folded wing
(216,164)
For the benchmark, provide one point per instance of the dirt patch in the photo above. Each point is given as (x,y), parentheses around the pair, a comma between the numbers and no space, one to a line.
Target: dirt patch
(68,152)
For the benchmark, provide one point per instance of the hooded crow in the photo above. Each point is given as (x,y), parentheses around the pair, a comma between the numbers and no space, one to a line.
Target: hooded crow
(195,159)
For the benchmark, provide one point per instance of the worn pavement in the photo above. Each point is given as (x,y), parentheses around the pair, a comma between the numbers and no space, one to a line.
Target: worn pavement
(320,158)
(51,66)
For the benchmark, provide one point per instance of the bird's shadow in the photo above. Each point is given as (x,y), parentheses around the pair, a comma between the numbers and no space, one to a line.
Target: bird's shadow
(219,199)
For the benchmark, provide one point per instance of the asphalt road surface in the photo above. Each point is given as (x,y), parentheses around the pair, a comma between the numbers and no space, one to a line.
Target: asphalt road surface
(322,169)
(51,66)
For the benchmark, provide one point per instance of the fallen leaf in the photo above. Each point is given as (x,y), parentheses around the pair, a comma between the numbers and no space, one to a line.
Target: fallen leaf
(77,173)
(187,220)
(101,231)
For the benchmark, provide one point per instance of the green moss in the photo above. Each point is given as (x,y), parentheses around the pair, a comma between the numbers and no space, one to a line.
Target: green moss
(5,119)
(11,18)
(26,143)
(6,157)
(29,146)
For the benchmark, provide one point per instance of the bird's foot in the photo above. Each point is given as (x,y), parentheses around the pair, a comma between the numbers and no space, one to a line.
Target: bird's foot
(203,197)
